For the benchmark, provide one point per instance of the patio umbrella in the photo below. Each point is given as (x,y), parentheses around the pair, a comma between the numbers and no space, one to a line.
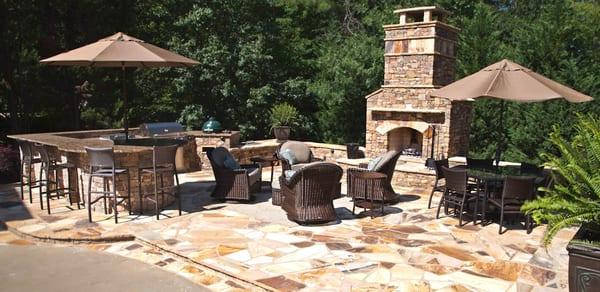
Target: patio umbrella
(120,51)
(510,81)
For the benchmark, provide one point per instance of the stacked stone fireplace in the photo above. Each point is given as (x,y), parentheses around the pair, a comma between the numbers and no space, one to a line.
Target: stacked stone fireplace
(419,57)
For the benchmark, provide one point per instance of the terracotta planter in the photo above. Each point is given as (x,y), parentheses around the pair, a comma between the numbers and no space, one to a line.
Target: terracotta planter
(584,261)
(282,133)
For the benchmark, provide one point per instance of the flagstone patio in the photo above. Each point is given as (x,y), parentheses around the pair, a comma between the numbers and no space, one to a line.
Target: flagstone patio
(229,246)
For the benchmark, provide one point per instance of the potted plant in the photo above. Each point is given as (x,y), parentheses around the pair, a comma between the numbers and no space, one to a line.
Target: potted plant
(283,116)
(191,117)
(575,200)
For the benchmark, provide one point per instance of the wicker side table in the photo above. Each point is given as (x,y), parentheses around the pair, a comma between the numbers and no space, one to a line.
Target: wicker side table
(373,181)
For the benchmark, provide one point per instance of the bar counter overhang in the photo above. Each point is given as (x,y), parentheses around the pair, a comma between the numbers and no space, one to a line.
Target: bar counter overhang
(70,147)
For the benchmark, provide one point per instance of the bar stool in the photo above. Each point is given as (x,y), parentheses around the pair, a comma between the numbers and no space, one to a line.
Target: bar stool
(28,156)
(52,183)
(102,164)
(163,163)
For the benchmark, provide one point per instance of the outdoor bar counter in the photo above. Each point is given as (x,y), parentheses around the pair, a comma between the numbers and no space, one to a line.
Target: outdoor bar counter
(70,147)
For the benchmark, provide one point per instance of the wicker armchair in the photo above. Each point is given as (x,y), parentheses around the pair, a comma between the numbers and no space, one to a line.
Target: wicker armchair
(386,166)
(233,184)
(309,193)
(301,152)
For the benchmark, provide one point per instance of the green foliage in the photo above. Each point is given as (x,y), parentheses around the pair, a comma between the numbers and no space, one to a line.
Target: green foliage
(192,116)
(283,114)
(320,56)
(575,197)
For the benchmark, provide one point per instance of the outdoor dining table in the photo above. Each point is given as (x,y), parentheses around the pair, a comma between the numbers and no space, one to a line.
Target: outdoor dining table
(495,177)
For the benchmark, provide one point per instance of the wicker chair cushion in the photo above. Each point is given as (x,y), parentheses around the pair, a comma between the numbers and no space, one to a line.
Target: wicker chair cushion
(384,160)
(373,162)
(231,163)
(300,150)
(254,175)
(288,154)
(219,156)
(298,166)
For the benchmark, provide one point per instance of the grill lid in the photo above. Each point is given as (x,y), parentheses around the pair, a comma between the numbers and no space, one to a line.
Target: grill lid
(160,129)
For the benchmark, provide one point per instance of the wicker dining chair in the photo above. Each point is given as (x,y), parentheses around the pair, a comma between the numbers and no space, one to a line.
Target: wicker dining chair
(517,190)
(308,193)
(439,175)
(237,183)
(386,165)
(457,193)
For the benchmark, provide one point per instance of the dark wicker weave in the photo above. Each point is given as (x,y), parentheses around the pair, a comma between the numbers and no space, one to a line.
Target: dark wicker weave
(457,193)
(236,184)
(439,175)
(308,194)
(386,166)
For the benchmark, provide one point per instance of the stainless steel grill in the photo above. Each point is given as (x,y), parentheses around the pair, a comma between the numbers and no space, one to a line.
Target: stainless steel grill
(170,129)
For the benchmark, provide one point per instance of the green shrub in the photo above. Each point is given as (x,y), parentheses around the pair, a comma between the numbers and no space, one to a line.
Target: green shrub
(284,114)
(192,117)
(575,197)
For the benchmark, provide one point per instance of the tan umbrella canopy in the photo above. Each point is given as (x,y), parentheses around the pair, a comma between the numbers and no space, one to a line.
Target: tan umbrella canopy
(507,80)
(121,51)
(510,81)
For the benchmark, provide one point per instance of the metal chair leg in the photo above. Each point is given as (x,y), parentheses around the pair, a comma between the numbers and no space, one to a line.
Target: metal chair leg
(105,190)
(114,192)
(140,195)
(156,196)
(89,200)
(501,220)
(176,190)
(21,176)
(129,194)
(41,183)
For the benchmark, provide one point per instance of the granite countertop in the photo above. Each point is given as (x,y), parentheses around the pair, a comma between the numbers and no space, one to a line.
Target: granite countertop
(69,144)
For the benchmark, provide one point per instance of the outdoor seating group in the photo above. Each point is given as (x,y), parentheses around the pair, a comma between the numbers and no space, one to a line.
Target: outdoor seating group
(481,184)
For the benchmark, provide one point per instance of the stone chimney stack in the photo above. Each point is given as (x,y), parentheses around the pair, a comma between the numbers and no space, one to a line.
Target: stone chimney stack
(420,56)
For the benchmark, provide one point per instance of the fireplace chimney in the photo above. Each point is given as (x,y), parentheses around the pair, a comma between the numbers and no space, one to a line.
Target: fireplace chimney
(419,57)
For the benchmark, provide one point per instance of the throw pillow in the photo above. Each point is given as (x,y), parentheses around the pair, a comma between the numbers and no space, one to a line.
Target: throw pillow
(373,163)
(231,163)
(289,156)
(289,173)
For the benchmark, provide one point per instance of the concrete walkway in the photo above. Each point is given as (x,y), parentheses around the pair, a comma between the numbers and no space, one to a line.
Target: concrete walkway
(42,268)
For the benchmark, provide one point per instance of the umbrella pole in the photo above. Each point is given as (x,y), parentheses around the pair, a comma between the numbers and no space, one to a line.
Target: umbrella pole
(500,147)
(125,105)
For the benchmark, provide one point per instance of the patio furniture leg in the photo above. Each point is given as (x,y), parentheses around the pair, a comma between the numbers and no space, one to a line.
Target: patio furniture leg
(21,176)
(89,200)
(162,191)
(104,193)
(176,190)
(461,210)
(476,210)
(442,201)
(129,194)
(30,172)
(501,220)
(431,195)
(114,192)
(41,194)
(48,190)
(156,196)
(140,195)
(528,223)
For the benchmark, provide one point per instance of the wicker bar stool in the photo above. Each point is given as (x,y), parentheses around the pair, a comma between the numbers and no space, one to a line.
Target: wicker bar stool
(52,181)
(102,164)
(28,157)
(163,163)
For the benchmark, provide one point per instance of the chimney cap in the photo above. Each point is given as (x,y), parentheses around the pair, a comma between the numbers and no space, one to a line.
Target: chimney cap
(435,9)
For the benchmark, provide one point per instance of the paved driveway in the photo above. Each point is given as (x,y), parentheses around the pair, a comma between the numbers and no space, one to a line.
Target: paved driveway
(42,268)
